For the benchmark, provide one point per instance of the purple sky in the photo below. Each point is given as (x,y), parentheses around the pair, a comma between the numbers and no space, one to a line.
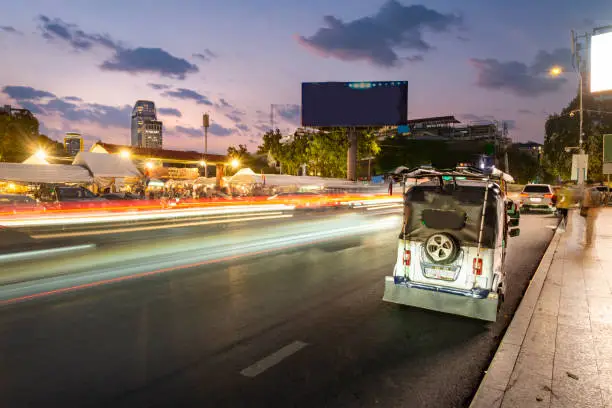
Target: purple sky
(80,65)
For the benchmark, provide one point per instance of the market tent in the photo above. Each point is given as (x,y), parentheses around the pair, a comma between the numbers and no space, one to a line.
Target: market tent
(35,159)
(106,165)
(245,176)
(248,176)
(36,173)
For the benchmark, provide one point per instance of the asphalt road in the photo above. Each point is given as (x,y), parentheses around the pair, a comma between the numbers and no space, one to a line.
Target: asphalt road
(302,327)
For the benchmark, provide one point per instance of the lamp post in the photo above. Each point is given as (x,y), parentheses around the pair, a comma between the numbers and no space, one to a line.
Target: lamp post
(555,72)
(206,124)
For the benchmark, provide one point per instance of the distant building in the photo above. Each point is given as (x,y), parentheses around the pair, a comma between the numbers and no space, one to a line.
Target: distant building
(73,143)
(10,111)
(532,148)
(448,128)
(146,129)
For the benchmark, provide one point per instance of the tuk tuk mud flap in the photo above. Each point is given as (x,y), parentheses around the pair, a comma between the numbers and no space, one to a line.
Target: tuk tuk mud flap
(437,299)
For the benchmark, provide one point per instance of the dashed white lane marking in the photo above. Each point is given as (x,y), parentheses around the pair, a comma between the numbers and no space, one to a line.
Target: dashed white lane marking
(273,359)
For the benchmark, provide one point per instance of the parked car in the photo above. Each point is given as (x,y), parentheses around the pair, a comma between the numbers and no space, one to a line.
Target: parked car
(17,203)
(452,246)
(69,198)
(538,197)
(122,196)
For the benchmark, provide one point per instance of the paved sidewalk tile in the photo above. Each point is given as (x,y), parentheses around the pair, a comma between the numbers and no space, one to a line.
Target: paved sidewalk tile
(560,347)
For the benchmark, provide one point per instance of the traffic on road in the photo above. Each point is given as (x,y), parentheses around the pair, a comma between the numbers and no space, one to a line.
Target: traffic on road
(286,300)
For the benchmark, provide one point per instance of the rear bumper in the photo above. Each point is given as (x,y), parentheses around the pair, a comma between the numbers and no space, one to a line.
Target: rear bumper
(480,305)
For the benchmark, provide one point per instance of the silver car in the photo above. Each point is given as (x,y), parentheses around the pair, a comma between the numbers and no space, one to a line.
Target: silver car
(538,197)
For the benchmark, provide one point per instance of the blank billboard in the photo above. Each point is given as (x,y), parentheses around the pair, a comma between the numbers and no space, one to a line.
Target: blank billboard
(354,104)
(601,62)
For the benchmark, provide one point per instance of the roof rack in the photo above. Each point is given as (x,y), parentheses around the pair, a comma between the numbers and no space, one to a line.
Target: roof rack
(465,172)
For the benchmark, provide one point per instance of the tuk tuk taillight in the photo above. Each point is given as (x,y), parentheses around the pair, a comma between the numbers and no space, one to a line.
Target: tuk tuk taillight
(477,266)
(407,257)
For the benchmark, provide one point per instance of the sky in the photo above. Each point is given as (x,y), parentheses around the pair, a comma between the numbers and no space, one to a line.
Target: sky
(80,66)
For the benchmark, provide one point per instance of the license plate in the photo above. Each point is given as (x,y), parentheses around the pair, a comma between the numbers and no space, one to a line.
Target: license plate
(536,200)
(439,273)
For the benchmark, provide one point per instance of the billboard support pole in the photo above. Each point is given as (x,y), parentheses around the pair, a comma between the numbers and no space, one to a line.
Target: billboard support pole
(351,156)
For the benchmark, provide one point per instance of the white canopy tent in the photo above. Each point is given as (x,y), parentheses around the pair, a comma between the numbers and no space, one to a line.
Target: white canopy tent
(106,165)
(248,176)
(41,174)
(35,159)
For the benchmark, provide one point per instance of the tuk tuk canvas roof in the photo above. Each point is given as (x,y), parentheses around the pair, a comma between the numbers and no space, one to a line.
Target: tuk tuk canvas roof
(107,165)
(427,200)
(43,173)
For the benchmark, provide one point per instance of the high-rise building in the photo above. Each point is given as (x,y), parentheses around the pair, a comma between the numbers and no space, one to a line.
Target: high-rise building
(146,129)
(73,143)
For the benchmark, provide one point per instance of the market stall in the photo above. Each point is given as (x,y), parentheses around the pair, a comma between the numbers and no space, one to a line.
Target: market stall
(111,173)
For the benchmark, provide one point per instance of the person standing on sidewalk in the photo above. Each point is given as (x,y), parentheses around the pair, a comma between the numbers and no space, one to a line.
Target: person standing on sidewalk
(589,210)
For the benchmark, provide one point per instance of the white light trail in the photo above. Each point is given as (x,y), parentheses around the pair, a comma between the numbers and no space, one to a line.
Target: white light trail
(138,216)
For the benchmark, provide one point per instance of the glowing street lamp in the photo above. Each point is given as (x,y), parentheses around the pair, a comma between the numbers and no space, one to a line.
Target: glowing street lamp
(125,154)
(202,163)
(235,163)
(555,71)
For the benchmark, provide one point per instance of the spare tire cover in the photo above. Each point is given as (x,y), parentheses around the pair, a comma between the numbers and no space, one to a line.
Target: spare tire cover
(441,248)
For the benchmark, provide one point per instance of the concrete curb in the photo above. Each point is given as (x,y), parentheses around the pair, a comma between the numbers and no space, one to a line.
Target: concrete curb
(493,386)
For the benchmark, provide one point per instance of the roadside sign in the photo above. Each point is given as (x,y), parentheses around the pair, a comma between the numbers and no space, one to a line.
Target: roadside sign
(403,129)
(580,165)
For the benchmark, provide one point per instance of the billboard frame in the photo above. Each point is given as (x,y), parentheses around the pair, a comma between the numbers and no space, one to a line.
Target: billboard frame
(357,85)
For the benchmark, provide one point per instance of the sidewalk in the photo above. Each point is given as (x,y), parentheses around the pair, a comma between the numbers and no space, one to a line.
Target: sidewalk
(557,351)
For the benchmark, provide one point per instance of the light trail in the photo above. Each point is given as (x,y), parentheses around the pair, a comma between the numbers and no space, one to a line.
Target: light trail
(146,216)
(108,266)
(43,252)
(158,227)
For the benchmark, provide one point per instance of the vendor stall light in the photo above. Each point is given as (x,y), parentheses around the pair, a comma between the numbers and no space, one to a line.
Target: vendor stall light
(125,154)
(12,186)
(41,154)
(202,163)
(235,163)
(149,165)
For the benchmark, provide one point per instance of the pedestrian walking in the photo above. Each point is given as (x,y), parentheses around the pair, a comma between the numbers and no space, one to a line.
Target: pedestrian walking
(564,203)
(589,209)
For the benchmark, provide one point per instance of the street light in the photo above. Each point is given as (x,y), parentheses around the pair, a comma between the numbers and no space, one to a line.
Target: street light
(125,154)
(555,71)
(41,154)
(202,163)
(149,165)
(235,163)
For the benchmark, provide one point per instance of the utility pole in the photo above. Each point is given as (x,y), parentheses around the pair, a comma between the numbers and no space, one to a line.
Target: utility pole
(578,66)
(206,124)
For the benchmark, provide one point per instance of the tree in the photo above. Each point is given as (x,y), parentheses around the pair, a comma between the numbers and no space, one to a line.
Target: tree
(524,167)
(19,138)
(240,153)
(323,153)
(327,153)
(562,132)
